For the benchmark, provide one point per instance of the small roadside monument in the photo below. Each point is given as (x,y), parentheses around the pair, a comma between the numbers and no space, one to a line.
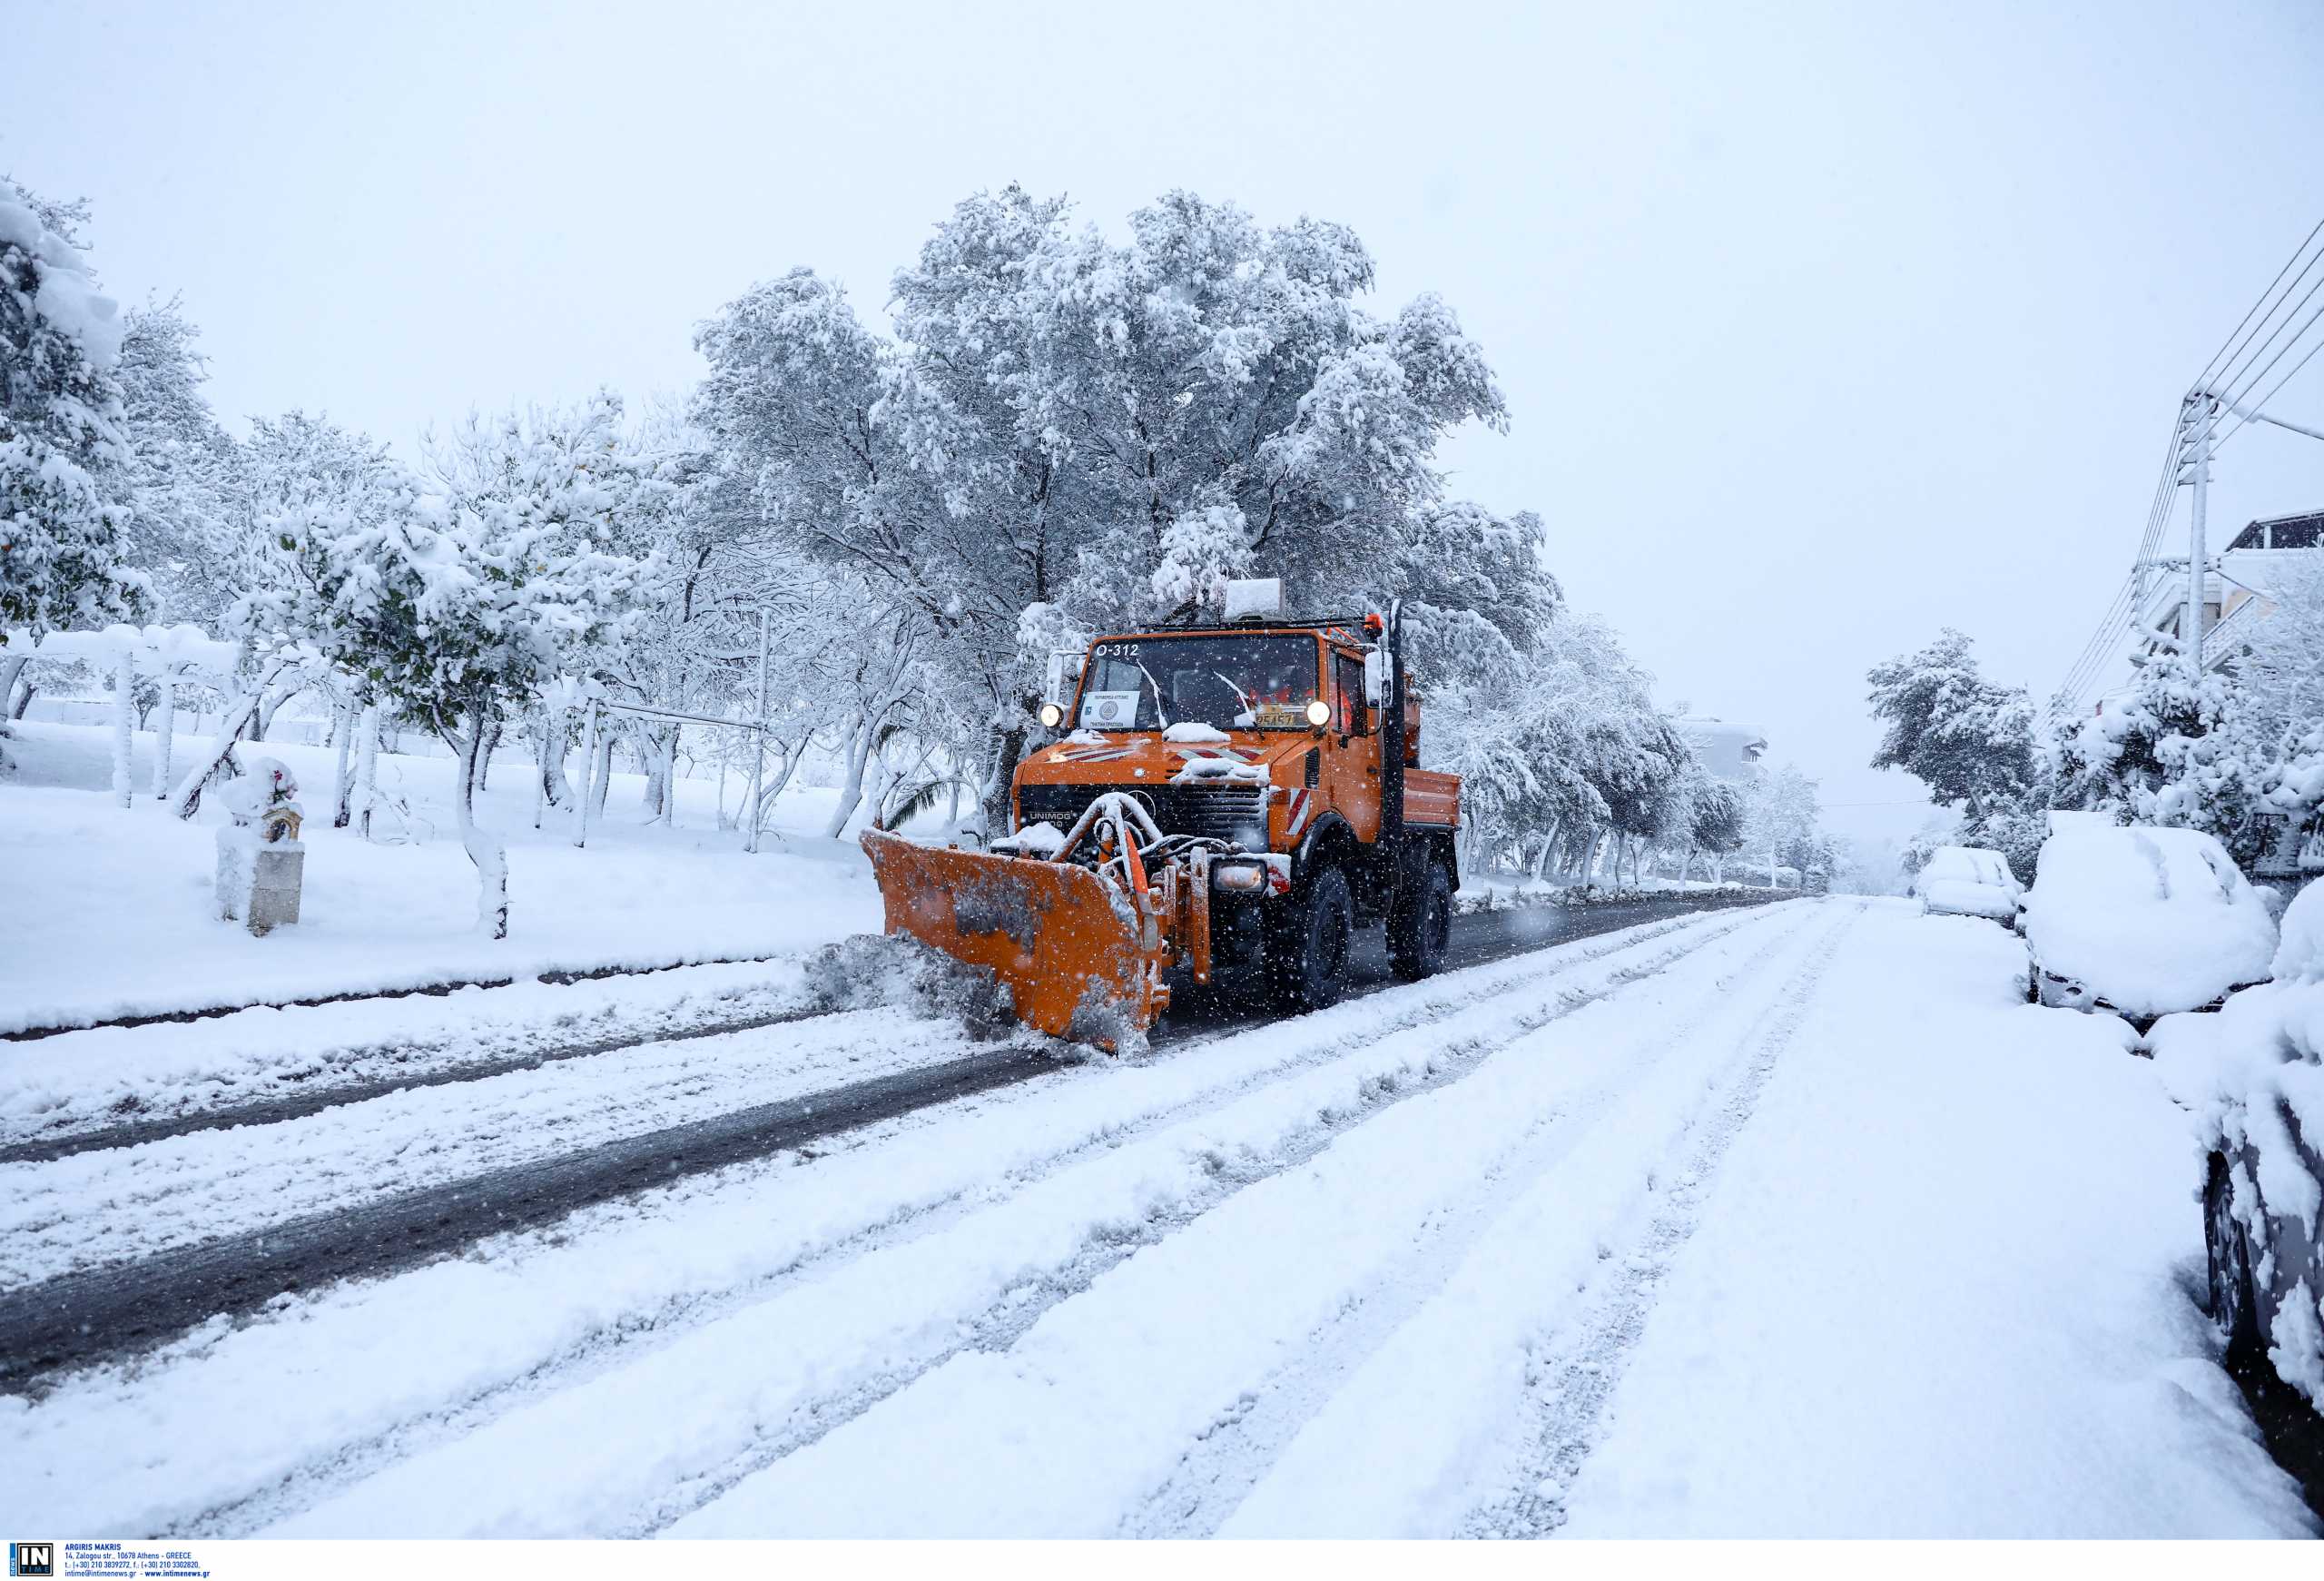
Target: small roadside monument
(260,862)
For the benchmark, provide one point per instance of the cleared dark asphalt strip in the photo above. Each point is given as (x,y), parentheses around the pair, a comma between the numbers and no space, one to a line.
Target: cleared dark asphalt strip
(296,1104)
(109,1311)
(85,1315)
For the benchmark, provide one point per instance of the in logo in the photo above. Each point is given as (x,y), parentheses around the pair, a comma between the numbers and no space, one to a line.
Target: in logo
(32,1558)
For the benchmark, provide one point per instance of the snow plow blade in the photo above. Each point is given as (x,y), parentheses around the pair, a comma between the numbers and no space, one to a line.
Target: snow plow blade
(1082,958)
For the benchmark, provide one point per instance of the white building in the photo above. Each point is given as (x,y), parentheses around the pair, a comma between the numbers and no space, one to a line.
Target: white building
(1728,751)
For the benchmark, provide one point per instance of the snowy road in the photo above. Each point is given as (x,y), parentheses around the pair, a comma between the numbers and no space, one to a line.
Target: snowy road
(1789,1219)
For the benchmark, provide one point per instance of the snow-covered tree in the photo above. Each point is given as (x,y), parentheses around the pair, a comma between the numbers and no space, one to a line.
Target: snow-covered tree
(1111,428)
(1970,739)
(2237,753)
(1718,829)
(2117,762)
(64,513)
(461,609)
(180,467)
(1783,821)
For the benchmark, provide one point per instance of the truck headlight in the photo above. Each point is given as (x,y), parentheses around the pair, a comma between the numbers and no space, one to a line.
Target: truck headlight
(1053,716)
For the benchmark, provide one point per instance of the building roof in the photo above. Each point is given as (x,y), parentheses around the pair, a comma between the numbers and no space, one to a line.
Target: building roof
(2304,530)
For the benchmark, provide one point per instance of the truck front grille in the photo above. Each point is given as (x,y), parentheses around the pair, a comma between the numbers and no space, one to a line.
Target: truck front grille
(1236,813)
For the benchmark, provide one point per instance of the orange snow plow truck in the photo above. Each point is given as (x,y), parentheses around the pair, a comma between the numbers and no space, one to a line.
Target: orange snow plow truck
(1231,803)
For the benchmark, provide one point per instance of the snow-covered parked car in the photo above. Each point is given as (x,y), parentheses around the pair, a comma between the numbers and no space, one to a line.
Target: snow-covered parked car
(2141,921)
(2253,1075)
(1968,881)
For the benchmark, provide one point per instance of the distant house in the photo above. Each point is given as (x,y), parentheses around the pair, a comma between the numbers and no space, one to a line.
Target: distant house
(1728,751)
(2237,594)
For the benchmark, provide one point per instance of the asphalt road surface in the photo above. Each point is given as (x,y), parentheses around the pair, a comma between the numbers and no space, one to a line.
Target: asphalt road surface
(109,1310)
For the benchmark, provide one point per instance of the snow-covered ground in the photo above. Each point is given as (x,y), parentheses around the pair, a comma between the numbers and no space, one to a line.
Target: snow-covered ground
(1794,1220)
(110,911)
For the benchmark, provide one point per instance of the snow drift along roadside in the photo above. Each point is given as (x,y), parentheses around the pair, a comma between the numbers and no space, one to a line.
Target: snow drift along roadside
(1943,1288)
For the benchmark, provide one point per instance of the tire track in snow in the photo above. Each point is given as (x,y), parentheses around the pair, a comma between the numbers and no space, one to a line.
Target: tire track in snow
(1219,1470)
(1572,1371)
(642,1341)
(1074,1425)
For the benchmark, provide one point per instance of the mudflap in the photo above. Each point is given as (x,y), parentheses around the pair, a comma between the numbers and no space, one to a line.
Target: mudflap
(1081,959)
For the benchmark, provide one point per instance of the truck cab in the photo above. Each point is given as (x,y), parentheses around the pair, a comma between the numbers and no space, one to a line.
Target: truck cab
(1271,743)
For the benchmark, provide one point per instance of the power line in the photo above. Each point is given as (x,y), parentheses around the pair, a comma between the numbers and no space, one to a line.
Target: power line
(2236,363)
(2242,418)
(2237,394)
(2211,366)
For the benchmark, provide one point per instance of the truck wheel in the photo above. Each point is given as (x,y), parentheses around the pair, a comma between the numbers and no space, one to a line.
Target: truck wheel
(2232,1305)
(1422,926)
(1307,952)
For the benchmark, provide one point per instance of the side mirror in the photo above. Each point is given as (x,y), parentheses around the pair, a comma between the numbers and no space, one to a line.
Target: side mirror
(1062,675)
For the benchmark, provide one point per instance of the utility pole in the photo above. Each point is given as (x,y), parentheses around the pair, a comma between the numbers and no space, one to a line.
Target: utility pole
(2200,410)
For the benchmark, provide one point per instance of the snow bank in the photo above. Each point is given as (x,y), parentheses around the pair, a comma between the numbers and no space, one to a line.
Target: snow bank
(78,1082)
(2152,920)
(110,910)
(1938,1288)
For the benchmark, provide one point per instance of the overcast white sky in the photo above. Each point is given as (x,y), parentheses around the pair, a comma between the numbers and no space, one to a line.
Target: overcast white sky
(1822,327)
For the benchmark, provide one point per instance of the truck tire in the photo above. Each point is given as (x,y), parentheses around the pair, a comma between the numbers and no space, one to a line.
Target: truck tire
(1308,948)
(1422,926)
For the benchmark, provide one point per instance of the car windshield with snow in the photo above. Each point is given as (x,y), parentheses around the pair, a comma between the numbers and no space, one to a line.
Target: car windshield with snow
(1229,683)
(2142,922)
(1967,881)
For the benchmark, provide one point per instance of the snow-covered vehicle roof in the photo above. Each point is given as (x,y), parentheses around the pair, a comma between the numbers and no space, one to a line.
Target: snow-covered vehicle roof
(1968,881)
(2147,919)
(1969,865)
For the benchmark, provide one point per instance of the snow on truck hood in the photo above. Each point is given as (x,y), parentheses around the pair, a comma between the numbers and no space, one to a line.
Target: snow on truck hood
(1108,756)
(2151,920)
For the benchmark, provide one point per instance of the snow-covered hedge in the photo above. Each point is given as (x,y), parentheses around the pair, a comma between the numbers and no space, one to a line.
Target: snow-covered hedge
(1490,897)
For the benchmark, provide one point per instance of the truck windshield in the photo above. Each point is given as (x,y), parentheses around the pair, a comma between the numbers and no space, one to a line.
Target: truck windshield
(1229,683)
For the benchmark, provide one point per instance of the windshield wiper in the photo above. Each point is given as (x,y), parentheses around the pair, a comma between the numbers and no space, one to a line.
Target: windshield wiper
(1250,710)
(1158,692)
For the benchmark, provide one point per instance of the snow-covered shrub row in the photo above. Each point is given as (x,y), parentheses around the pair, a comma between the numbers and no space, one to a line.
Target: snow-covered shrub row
(1493,897)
